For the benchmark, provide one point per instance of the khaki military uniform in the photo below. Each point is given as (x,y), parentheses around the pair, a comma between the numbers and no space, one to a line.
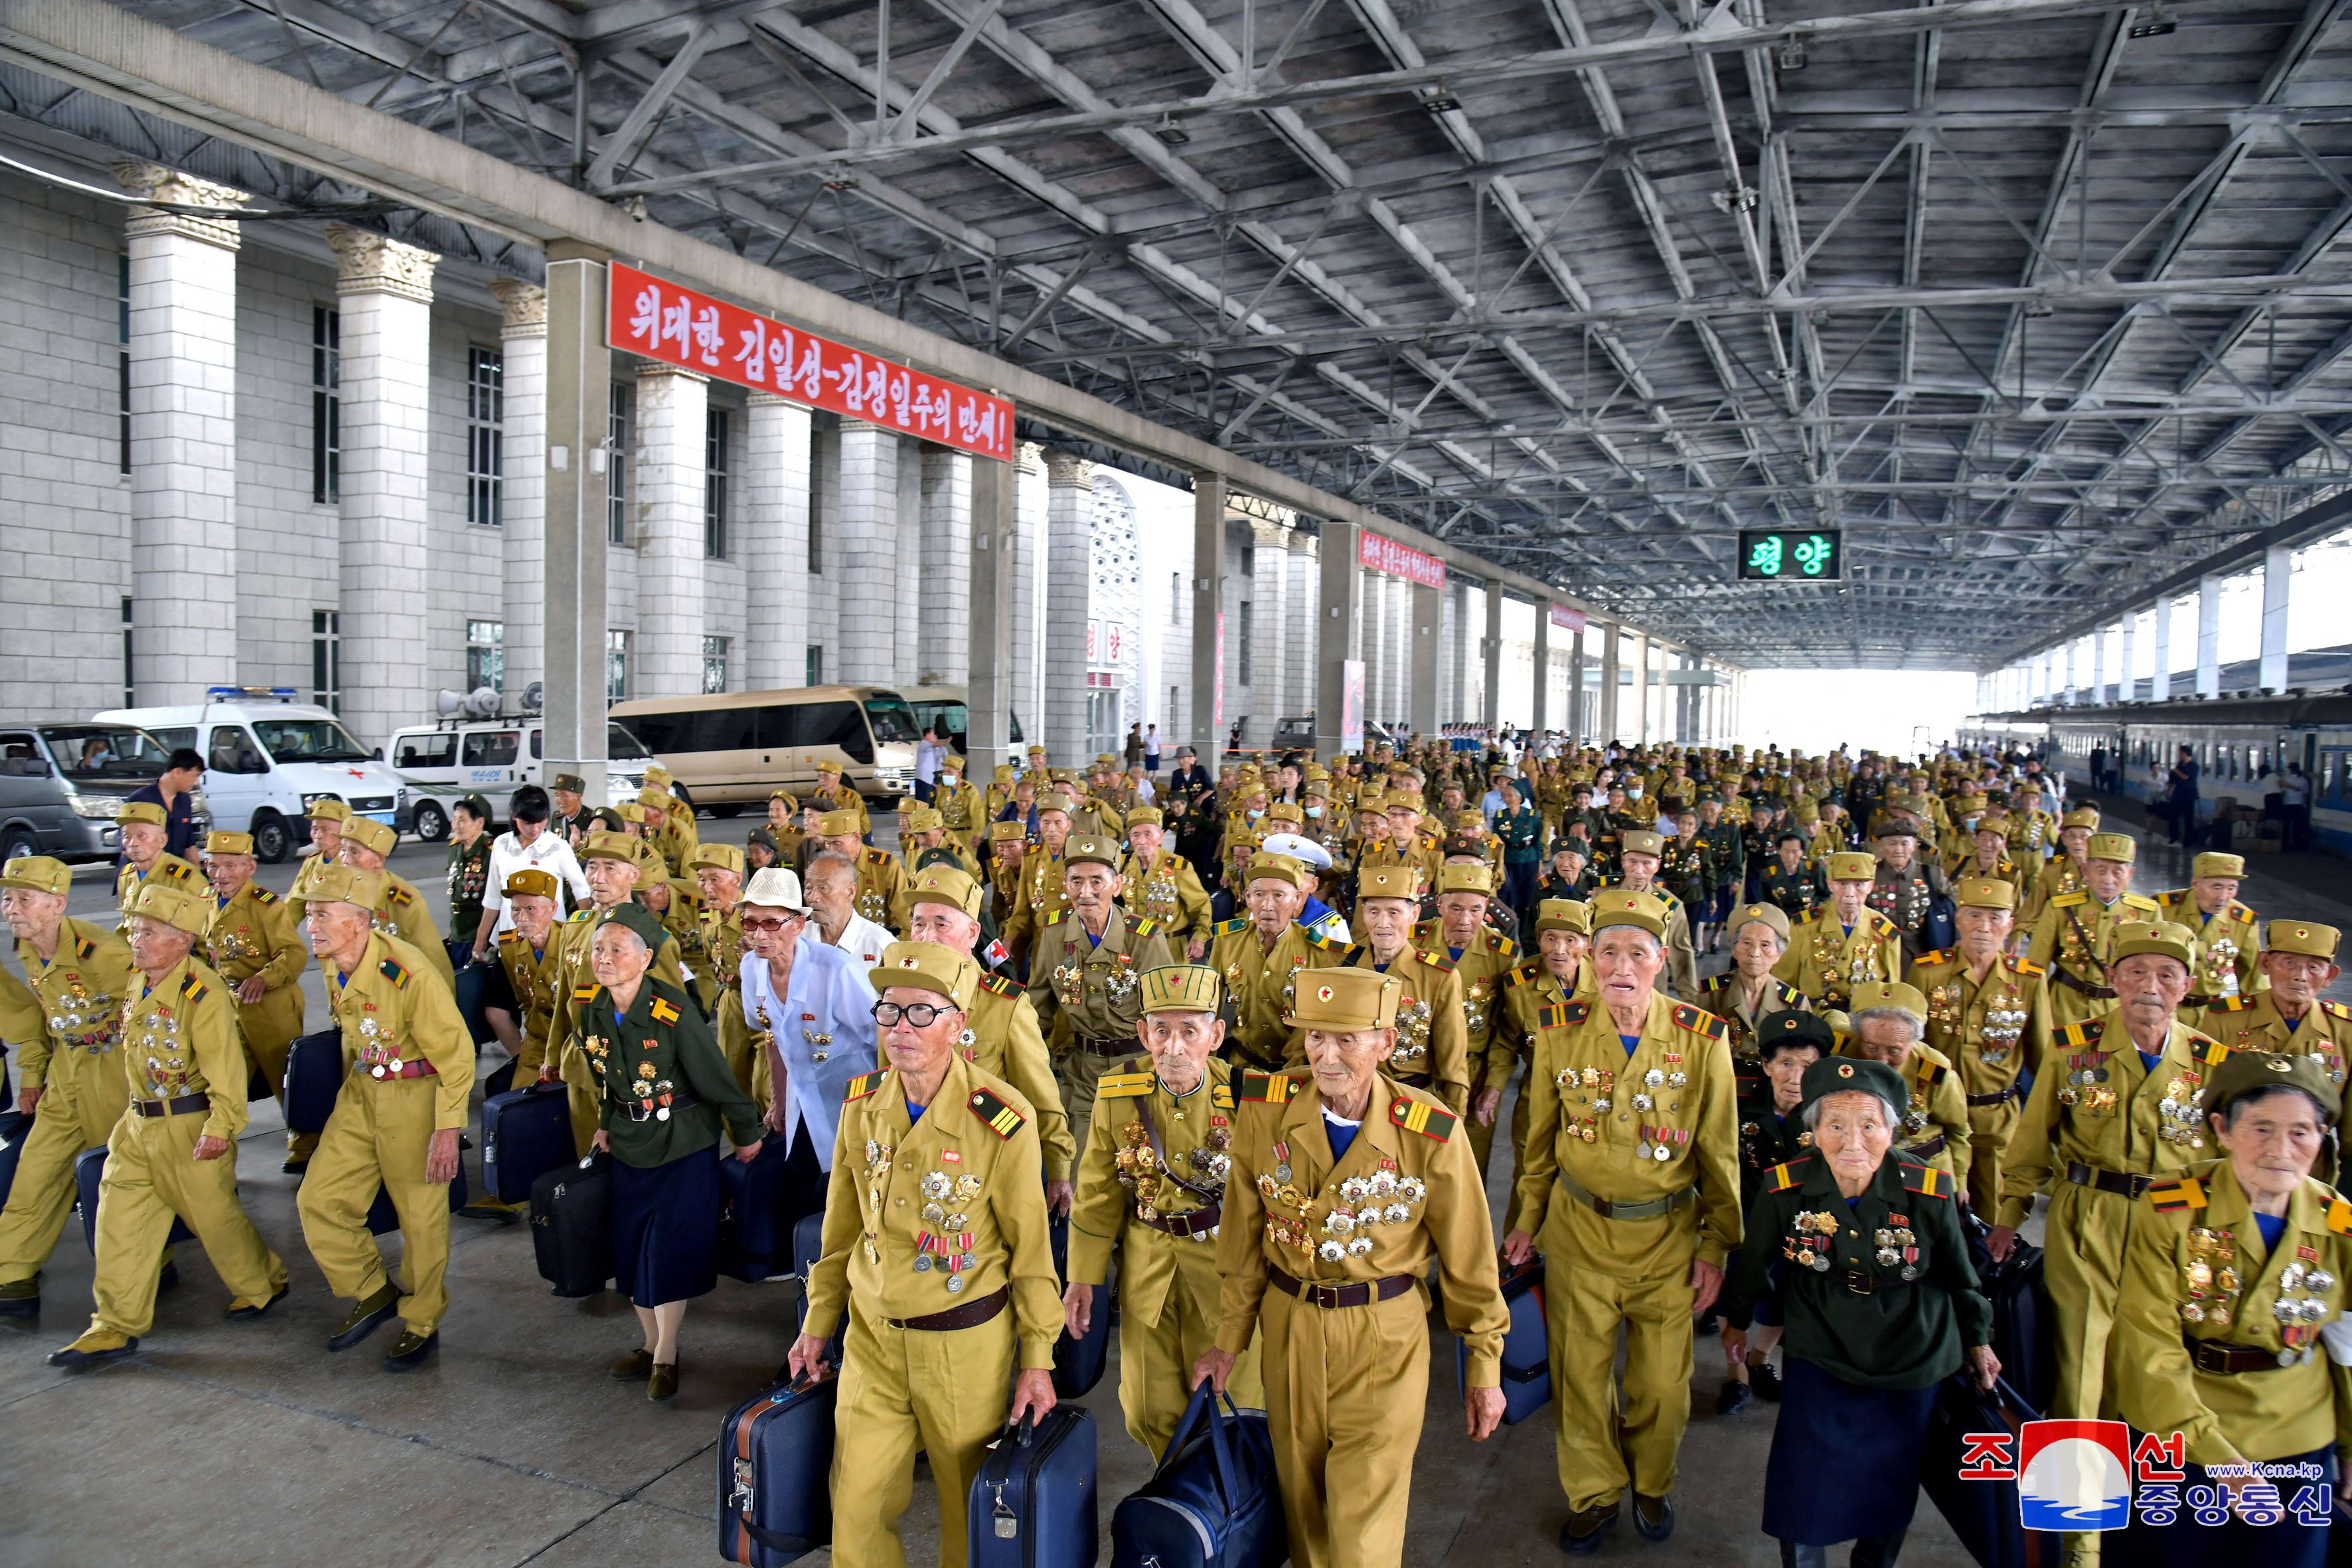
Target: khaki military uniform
(2002,870)
(2060,874)
(2228,945)
(960,813)
(1168,893)
(1152,1185)
(1934,1126)
(1720,995)
(2254,1024)
(1260,981)
(1590,1139)
(1088,1000)
(394,1016)
(1432,1046)
(180,1040)
(922,1218)
(251,935)
(2033,835)
(1346,1384)
(2095,1129)
(679,835)
(73,1062)
(172,871)
(1992,1030)
(881,894)
(536,978)
(1682,959)
(1041,901)
(2071,940)
(1826,961)
(722,964)
(1485,968)
(1009,1043)
(1421,855)
(402,915)
(1527,990)
(841,797)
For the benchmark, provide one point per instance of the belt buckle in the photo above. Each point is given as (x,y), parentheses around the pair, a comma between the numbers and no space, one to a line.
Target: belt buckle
(1858,1283)
(637,1111)
(1604,1209)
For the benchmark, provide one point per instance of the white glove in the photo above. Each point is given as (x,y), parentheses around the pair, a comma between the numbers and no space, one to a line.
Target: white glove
(2338,1337)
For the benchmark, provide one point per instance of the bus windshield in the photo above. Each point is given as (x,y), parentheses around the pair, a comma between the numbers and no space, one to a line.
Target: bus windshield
(893,721)
(308,740)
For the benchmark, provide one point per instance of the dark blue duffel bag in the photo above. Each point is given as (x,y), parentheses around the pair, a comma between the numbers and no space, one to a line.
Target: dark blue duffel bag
(526,1132)
(775,1464)
(15,1126)
(1033,1503)
(472,982)
(1213,1502)
(90,1165)
(1077,1364)
(314,1076)
(1527,1346)
(1984,1514)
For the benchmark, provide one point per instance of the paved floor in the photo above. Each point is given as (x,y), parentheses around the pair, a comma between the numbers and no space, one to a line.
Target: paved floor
(243,1446)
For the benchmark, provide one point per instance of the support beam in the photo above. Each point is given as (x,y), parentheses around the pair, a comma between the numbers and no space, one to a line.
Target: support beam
(2208,637)
(1493,649)
(1609,680)
(1427,613)
(988,738)
(1338,661)
(2160,686)
(1542,715)
(579,411)
(2278,577)
(1207,718)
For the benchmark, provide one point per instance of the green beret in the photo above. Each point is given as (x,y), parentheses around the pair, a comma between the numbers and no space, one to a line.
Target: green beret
(1841,1075)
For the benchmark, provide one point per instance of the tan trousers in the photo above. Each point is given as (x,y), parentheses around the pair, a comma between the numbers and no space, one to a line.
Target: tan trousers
(1601,1274)
(378,1136)
(1344,1392)
(903,1390)
(271,1027)
(1988,1130)
(152,1175)
(1081,1069)
(83,1099)
(1155,1357)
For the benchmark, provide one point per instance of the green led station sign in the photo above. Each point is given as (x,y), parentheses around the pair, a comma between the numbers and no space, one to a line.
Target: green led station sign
(1817,555)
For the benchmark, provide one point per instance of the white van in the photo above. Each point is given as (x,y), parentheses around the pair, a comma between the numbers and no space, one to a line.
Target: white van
(268,757)
(441,764)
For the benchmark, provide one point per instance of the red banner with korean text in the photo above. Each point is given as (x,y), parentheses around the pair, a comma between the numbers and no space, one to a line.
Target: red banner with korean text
(650,316)
(1566,619)
(1398,559)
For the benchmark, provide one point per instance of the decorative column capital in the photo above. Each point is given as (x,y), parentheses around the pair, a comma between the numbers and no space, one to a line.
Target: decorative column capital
(1029,458)
(1300,543)
(771,400)
(656,370)
(159,184)
(1265,534)
(522,307)
(860,426)
(1067,470)
(378,264)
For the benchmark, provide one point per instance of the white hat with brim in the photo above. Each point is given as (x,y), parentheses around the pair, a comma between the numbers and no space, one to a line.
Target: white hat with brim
(775,888)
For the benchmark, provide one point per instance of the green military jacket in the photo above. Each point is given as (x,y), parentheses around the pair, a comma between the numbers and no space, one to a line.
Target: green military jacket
(662,1086)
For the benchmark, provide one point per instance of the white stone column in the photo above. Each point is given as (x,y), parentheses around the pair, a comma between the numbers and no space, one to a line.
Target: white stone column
(2074,651)
(1398,655)
(522,351)
(2128,690)
(1269,585)
(1304,626)
(673,413)
(1070,518)
(2209,637)
(775,531)
(2160,635)
(182,438)
(1028,580)
(945,632)
(912,583)
(384,291)
(2278,577)
(1375,601)
(2099,666)
(868,551)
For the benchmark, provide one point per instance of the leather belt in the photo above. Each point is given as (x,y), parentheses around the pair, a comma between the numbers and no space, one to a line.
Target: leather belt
(1978,1101)
(1863,1282)
(2065,977)
(2221,1356)
(1190,1224)
(638,1110)
(406,1070)
(1650,1208)
(2109,1181)
(1361,1293)
(971,1314)
(180,1107)
(1105,1048)
(1930,1148)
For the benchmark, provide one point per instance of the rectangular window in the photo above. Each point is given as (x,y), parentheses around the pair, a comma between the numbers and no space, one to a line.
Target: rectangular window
(714,490)
(714,664)
(486,655)
(1175,595)
(326,403)
(129,691)
(485,406)
(123,400)
(816,664)
(1172,706)
(816,533)
(1249,559)
(327,659)
(1248,660)
(617,665)
(616,463)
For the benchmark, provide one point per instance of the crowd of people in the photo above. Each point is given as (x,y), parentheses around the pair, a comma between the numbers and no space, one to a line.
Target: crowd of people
(1250,1037)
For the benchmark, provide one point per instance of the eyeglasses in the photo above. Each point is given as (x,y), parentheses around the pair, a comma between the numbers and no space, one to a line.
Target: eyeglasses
(783,924)
(922,1016)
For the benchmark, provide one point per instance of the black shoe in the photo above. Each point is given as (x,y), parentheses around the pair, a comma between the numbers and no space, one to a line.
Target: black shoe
(247,1314)
(1765,1380)
(21,1299)
(366,1318)
(409,1351)
(74,1359)
(169,1279)
(1657,1527)
(1580,1536)
(1734,1398)
(294,1167)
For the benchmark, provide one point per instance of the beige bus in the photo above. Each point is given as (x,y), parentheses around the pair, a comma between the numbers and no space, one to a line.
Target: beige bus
(734,748)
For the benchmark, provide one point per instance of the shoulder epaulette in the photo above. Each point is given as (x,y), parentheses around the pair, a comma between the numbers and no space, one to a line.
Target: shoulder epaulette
(1433,1121)
(580,915)
(999,1116)
(391,970)
(2335,1009)
(1699,1021)
(1317,938)
(264,896)
(1714,982)
(584,993)
(2027,967)
(1926,1181)
(1141,925)
(401,895)
(2079,1033)
(2213,1053)
(1497,943)
(876,857)
(860,1087)
(2234,1004)
(1220,1097)
(2142,902)
(1927,958)
(1125,1084)
(664,1010)
(194,989)
(998,986)
(1436,958)
(1238,923)
(511,934)
(1266,1088)
(1563,1015)
(2182,1192)
(84,947)
(2339,1216)
(2067,901)
(1524,973)
(1786,1174)
(1936,1074)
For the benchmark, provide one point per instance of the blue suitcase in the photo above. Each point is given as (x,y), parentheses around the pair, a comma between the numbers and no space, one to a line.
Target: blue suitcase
(1077,1364)
(314,1076)
(526,1132)
(15,1126)
(1213,1502)
(500,1080)
(775,1463)
(89,1166)
(1033,1503)
(472,981)
(1527,1346)
(759,1243)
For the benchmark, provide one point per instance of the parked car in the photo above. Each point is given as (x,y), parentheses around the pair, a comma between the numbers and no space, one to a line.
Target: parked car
(267,758)
(60,783)
(442,762)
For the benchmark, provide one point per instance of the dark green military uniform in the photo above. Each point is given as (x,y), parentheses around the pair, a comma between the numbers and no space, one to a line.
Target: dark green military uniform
(662,1086)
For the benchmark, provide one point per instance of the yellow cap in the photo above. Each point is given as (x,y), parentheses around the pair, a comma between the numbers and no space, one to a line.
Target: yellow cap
(658,776)
(2081,817)
(191,912)
(836,824)
(1093,848)
(605,845)
(1347,1000)
(1006,832)
(369,834)
(923,819)
(1853,866)
(1059,800)
(2308,938)
(630,811)
(1403,800)
(1984,893)
(653,799)
(2160,937)
(829,766)
(1465,879)
(1564,914)
(1370,802)
(946,885)
(1182,988)
(1623,906)
(346,885)
(329,809)
(1639,841)
(952,974)
(2215,864)
(2116,847)
(1280,868)
(146,811)
(39,874)
(531,882)
(223,842)
(716,857)
(1870,993)
(1004,773)
(1386,882)
(1770,915)
(1147,817)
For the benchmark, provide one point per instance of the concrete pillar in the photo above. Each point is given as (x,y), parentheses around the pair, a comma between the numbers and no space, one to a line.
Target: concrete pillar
(944,632)
(384,291)
(1301,625)
(183,345)
(1069,519)
(867,545)
(1206,721)
(775,534)
(2099,667)
(989,688)
(914,563)
(1641,726)
(2127,687)
(673,413)
(522,354)
(1340,639)
(1269,582)
(1426,608)
(1457,667)
(1576,726)
(1375,642)
(1028,694)
(1492,709)
(1543,667)
(579,413)
(2074,648)
(1399,655)
(2160,635)
(2209,637)
(1610,645)
(2278,577)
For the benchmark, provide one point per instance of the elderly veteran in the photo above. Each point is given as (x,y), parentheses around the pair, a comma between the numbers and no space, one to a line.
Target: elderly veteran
(2113,1110)
(1345,1186)
(1152,1185)
(144,825)
(1085,973)
(1630,1177)
(1484,960)
(1433,1048)
(718,873)
(1770,1133)
(402,913)
(615,864)
(1556,972)
(2073,938)
(1847,942)
(1261,956)
(663,1088)
(2064,871)
(69,1079)
(1638,862)
(1161,885)
(396,1121)
(1889,1023)
(2230,1325)
(1989,1014)
(2229,934)
(174,1154)
(325,818)
(1863,1250)
(2287,1013)
(252,942)
(934,1225)
(1747,992)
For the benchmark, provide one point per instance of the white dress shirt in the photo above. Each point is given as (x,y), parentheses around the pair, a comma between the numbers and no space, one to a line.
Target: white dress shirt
(864,940)
(549,852)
